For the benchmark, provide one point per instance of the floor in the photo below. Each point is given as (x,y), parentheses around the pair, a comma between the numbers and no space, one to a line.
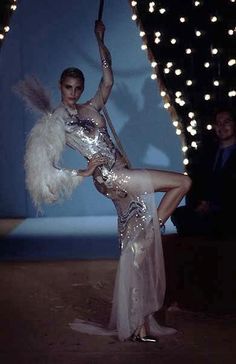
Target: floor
(39,299)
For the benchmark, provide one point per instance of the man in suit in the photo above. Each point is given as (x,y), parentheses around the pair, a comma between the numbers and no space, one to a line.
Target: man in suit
(210,212)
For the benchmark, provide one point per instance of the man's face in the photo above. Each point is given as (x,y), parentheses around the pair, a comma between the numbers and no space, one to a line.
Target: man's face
(225,127)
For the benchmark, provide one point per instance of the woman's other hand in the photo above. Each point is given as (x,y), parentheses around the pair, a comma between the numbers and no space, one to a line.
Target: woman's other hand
(99,30)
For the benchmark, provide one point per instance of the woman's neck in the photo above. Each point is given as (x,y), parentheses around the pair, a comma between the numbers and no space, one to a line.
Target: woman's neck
(70,107)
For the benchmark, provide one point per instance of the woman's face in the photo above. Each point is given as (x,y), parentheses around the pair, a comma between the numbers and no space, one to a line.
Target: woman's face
(71,90)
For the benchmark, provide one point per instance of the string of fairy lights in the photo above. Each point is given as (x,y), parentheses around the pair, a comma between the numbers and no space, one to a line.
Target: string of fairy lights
(7,8)
(191,49)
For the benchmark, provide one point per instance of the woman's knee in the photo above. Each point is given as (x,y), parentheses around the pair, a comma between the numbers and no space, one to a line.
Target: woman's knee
(186,183)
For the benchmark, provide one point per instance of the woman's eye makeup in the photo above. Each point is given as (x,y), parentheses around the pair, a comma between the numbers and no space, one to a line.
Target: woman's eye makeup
(79,88)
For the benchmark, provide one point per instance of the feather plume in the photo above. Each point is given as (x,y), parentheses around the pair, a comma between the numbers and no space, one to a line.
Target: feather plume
(36,97)
(46,182)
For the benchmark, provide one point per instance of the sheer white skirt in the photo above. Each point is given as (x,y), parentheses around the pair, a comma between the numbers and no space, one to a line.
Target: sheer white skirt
(140,279)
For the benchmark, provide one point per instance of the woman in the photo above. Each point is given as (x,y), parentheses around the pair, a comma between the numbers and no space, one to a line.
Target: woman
(140,281)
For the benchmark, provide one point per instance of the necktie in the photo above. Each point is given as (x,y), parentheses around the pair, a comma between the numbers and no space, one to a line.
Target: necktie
(219,161)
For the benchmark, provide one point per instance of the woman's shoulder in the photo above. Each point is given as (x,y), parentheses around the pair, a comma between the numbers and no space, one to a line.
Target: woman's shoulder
(89,104)
(60,113)
(60,109)
(88,108)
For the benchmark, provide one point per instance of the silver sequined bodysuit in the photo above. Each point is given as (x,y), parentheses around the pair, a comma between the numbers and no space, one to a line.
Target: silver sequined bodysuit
(140,280)
(86,132)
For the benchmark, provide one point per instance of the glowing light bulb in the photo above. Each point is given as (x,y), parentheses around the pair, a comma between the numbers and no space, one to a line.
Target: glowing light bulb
(185,161)
(143,47)
(163,93)
(214,19)
(182,19)
(166,105)
(6,28)
(189,82)
(142,33)
(193,123)
(166,70)
(188,51)
(162,11)
(178,131)
(191,114)
(209,127)
(178,71)
(1,36)
(207,97)
(154,64)
(198,33)
(134,17)
(177,100)
(169,64)
(194,144)
(184,148)
(133,3)
(230,32)
(232,93)
(216,83)
(178,93)
(151,6)
(214,51)
(175,123)
(173,41)
(231,62)
(153,76)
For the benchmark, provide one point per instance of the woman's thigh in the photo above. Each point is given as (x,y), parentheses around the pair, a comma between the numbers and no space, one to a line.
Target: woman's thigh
(148,180)
(164,181)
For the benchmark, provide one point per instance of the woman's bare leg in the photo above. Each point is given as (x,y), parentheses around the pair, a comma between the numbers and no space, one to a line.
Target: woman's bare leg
(175,186)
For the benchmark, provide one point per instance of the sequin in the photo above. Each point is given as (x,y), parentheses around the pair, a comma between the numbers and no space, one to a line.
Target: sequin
(105,63)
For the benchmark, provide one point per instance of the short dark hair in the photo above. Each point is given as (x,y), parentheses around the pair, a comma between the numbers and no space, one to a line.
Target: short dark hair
(72,72)
(222,109)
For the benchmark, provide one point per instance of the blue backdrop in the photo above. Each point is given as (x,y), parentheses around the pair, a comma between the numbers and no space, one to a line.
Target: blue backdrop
(48,36)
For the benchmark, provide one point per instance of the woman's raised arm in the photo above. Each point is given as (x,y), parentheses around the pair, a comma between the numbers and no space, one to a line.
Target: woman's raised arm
(106,83)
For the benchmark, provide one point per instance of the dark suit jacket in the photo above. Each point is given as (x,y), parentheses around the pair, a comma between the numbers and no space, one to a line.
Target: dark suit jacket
(219,187)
